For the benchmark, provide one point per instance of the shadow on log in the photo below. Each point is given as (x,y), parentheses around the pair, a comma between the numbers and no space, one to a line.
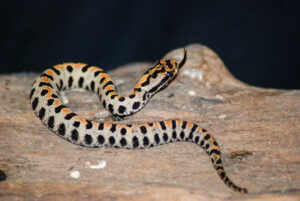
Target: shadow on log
(257,129)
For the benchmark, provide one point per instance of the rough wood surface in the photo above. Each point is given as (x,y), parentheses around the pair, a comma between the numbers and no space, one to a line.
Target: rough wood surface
(258,131)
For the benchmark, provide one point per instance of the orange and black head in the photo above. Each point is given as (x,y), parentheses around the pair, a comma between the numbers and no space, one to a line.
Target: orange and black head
(162,74)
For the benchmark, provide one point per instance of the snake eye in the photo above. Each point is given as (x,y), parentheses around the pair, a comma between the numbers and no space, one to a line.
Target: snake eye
(168,73)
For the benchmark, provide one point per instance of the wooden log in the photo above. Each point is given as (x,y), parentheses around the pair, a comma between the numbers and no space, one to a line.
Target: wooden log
(258,131)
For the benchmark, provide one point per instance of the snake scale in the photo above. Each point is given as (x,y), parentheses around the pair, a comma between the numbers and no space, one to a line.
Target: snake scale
(47,105)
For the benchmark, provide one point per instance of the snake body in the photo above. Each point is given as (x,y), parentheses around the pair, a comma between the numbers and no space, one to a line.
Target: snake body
(47,105)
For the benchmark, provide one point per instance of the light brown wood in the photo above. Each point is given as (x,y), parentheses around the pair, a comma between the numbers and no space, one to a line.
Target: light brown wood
(258,131)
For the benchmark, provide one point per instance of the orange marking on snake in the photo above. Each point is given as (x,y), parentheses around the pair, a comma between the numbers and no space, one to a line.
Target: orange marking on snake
(190,124)
(106,77)
(217,158)
(59,66)
(173,61)
(80,119)
(94,68)
(142,80)
(45,79)
(57,102)
(213,146)
(199,129)
(146,125)
(168,123)
(49,72)
(178,122)
(49,90)
(156,124)
(121,126)
(78,65)
(157,67)
(95,123)
(66,110)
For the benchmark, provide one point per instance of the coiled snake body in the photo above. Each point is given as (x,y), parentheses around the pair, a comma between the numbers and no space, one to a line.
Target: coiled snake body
(46,103)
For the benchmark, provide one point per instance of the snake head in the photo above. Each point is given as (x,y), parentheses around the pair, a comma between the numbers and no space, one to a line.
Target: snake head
(162,74)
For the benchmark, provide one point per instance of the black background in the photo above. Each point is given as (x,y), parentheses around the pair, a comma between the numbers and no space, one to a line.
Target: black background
(257,40)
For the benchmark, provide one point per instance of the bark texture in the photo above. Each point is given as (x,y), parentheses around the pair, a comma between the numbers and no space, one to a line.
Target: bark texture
(258,131)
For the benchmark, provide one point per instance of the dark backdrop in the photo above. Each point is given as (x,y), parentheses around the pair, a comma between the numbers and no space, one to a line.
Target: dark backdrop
(257,40)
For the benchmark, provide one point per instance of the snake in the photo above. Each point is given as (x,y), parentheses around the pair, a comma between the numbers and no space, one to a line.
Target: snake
(47,104)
